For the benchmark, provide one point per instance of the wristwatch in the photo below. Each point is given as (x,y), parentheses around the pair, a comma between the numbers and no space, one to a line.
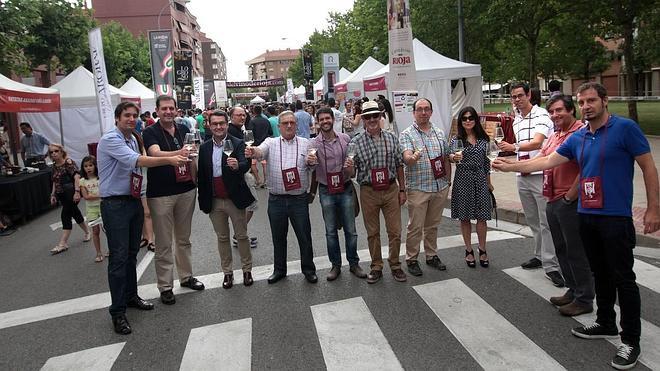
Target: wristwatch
(516,147)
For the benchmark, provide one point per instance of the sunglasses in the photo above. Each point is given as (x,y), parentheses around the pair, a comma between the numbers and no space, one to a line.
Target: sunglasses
(371,116)
(468,118)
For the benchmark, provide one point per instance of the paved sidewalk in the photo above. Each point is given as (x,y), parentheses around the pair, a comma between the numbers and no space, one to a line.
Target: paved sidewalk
(510,209)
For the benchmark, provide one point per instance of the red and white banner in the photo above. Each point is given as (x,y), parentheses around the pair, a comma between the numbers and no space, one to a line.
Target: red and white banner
(400,38)
(376,84)
(103,100)
(341,88)
(18,101)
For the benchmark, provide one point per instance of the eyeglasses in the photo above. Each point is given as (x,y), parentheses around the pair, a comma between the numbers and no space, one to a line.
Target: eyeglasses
(424,110)
(371,116)
(518,96)
(287,123)
(221,123)
(468,118)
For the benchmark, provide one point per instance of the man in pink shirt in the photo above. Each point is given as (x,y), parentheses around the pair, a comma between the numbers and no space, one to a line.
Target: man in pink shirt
(560,188)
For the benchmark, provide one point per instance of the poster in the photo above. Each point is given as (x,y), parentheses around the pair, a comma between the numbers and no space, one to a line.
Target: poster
(402,105)
(209,95)
(162,62)
(400,43)
(220,87)
(330,73)
(183,79)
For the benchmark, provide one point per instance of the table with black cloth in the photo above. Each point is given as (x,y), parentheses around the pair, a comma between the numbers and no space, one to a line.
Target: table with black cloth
(25,195)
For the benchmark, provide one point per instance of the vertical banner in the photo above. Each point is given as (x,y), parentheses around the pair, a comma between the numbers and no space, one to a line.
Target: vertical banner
(209,95)
(198,87)
(220,87)
(308,74)
(330,73)
(402,60)
(162,63)
(289,91)
(103,100)
(183,79)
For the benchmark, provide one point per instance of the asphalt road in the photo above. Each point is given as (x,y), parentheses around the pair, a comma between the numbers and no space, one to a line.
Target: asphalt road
(458,319)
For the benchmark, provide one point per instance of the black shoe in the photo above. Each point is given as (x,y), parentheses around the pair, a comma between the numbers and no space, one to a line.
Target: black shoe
(626,357)
(276,276)
(139,303)
(247,279)
(228,282)
(374,276)
(414,269)
(193,283)
(556,278)
(470,263)
(595,331)
(484,263)
(121,325)
(334,273)
(167,297)
(311,277)
(532,263)
(357,271)
(436,263)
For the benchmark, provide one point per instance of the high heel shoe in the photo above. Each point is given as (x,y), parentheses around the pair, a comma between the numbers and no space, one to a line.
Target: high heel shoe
(469,263)
(483,263)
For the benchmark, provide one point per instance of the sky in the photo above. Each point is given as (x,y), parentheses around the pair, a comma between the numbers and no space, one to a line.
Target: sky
(244,29)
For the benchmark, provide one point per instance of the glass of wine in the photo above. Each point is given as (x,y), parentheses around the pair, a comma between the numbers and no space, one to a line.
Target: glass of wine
(458,148)
(499,135)
(228,147)
(189,144)
(493,151)
(248,136)
(311,150)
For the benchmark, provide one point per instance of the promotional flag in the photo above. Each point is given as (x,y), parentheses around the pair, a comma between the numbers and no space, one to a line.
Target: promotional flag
(400,43)
(103,100)
(183,79)
(198,87)
(330,73)
(162,62)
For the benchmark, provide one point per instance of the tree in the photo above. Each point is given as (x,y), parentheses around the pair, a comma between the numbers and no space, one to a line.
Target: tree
(17,17)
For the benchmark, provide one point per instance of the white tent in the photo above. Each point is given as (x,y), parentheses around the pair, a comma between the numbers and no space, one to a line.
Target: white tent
(257,100)
(299,93)
(80,115)
(318,86)
(353,85)
(147,96)
(435,73)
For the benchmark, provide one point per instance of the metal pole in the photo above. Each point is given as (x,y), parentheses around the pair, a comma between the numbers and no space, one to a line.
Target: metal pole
(461,52)
(169,3)
(61,127)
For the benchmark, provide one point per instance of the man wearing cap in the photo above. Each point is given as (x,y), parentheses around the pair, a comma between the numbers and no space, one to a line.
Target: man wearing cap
(379,167)
(428,177)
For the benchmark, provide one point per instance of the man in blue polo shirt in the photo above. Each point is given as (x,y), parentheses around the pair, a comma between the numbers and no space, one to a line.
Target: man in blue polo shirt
(606,150)
(119,162)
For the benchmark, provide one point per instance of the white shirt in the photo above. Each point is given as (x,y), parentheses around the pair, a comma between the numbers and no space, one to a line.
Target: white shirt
(537,121)
(339,119)
(270,151)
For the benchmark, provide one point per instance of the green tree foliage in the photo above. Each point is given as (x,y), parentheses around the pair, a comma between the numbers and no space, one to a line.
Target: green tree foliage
(17,17)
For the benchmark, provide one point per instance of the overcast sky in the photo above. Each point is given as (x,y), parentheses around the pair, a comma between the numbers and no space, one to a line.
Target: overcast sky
(244,29)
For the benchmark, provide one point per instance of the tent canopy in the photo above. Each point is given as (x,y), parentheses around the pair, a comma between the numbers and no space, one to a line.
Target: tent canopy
(17,97)
(77,89)
(257,99)
(353,83)
(147,96)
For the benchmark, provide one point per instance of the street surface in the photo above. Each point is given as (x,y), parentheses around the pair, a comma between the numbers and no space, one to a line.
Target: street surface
(53,315)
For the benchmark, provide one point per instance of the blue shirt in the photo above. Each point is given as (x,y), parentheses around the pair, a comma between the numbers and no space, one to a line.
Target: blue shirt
(304,122)
(623,141)
(274,124)
(117,160)
(34,145)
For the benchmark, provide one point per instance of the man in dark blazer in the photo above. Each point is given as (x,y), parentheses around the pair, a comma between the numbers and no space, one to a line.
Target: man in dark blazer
(224,195)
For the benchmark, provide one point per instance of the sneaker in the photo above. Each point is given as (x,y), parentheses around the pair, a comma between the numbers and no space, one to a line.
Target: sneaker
(532,263)
(436,263)
(556,278)
(253,242)
(595,331)
(414,269)
(399,275)
(626,357)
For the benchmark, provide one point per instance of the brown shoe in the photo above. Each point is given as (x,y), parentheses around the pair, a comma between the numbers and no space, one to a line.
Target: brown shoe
(357,271)
(247,279)
(228,282)
(374,276)
(334,273)
(573,309)
(561,300)
(399,275)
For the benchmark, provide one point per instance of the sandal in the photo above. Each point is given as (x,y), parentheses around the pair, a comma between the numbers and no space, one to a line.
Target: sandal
(99,258)
(151,247)
(144,243)
(87,237)
(58,249)
(470,263)
(483,263)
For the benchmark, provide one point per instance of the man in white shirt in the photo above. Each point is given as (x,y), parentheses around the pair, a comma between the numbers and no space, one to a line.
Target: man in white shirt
(339,117)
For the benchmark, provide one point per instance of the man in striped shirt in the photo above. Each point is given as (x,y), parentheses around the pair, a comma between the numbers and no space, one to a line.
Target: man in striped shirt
(532,127)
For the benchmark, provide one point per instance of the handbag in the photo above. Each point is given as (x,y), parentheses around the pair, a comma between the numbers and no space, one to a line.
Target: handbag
(494,202)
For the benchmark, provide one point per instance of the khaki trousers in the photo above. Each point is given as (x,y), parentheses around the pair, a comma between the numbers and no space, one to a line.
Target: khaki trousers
(372,203)
(171,217)
(222,211)
(424,216)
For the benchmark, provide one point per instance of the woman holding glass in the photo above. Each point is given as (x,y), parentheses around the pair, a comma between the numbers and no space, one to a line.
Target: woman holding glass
(470,197)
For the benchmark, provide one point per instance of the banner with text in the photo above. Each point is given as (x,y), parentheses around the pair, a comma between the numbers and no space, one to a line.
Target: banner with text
(209,95)
(101,84)
(198,87)
(183,79)
(256,83)
(400,43)
(162,62)
(330,73)
(220,87)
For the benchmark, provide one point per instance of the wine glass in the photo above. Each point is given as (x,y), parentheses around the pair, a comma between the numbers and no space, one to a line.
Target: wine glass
(493,151)
(458,148)
(228,147)
(499,135)
(188,143)
(198,137)
(311,150)
(248,136)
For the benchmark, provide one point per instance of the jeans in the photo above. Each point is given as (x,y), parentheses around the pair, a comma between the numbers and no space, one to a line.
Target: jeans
(339,206)
(608,241)
(281,209)
(122,218)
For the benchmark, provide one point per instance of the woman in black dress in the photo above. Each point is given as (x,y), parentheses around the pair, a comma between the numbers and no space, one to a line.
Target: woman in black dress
(470,196)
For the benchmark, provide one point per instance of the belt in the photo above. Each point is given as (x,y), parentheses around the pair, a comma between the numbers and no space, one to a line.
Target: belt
(346,185)
(287,195)
(119,197)
(369,183)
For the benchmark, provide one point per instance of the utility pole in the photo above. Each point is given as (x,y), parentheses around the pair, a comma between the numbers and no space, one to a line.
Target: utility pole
(461,43)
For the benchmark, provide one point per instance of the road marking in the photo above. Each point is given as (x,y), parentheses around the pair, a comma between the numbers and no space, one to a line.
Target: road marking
(93,359)
(498,346)
(502,225)
(648,252)
(144,264)
(647,275)
(225,346)
(350,337)
(650,338)
(150,291)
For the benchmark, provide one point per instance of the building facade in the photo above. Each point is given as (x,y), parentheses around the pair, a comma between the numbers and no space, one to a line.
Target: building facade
(215,64)
(272,64)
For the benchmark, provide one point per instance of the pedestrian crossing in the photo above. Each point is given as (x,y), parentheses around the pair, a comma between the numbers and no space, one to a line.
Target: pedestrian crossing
(350,336)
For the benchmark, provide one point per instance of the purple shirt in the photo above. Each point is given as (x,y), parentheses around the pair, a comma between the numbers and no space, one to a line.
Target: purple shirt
(331,156)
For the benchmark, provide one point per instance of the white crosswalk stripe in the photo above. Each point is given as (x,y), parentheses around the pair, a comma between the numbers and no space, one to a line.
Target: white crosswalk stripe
(650,338)
(507,347)
(224,346)
(93,359)
(647,275)
(351,338)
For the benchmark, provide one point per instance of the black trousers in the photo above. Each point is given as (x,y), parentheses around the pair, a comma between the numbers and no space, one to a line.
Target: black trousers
(608,242)
(69,209)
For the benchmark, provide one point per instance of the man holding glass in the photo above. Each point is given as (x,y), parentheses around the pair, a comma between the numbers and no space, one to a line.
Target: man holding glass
(290,162)
(532,127)
(606,150)
(428,177)
(224,195)
(336,194)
